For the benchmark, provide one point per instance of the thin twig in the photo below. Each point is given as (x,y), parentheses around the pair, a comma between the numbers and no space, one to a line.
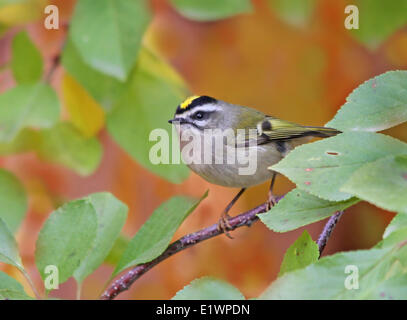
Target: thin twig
(326,232)
(55,62)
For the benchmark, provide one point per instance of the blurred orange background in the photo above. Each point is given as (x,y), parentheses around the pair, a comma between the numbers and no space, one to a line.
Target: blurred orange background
(298,73)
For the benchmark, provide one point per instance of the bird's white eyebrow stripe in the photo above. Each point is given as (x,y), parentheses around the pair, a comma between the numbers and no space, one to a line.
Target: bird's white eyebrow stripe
(205,108)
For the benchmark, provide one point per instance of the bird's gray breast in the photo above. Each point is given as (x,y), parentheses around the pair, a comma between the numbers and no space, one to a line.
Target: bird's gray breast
(237,167)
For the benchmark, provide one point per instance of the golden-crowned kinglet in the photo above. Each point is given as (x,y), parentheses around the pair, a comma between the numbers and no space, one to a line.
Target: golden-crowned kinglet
(246,136)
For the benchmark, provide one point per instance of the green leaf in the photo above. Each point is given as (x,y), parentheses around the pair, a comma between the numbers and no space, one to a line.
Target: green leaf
(27,105)
(378,20)
(390,289)
(64,144)
(208,288)
(383,183)
(375,105)
(111,216)
(27,140)
(395,233)
(326,278)
(8,294)
(108,33)
(103,88)
(209,10)
(11,289)
(8,247)
(66,237)
(4,3)
(303,252)
(322,167)
(155,235)
(399,222)
(117,250)
(149,101)
(13,200)
(26,62)
(299,208)
(295,12)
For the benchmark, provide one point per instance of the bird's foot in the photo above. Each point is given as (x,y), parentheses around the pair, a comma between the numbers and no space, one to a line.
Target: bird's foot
(224,225)
(271,201)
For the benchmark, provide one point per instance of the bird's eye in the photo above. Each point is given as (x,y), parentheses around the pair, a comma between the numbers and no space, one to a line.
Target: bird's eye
(199,115)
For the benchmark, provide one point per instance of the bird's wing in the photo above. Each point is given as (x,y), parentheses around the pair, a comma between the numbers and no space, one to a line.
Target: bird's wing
(273,129)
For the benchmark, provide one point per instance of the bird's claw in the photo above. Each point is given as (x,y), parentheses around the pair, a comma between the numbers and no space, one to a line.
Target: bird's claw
(224,225)
(271,202)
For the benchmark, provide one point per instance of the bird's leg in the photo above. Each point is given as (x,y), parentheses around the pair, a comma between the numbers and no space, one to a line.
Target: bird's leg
(271,199)
(223,223)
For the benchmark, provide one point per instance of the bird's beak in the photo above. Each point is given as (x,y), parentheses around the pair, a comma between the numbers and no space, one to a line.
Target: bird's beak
(179,120)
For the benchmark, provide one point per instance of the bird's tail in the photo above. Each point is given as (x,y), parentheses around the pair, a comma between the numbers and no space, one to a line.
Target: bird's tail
(322,132)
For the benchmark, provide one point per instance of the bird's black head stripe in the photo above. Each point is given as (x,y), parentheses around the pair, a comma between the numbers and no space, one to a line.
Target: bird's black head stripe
(201,100)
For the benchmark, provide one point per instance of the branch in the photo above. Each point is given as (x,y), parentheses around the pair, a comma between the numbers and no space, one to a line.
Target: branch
(124,282)
(244,219)
(326,233)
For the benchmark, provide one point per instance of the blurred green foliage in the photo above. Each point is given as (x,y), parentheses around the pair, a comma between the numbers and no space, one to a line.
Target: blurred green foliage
(136,92)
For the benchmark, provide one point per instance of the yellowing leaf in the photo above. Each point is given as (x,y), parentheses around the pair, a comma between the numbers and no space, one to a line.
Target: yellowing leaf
(19,12)
(85,113)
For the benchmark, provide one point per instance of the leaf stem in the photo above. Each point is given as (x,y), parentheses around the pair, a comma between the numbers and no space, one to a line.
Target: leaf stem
(78,291)
(30,282)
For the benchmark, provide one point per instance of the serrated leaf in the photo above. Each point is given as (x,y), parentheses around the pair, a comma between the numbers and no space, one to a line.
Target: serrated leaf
(382,182)
(397,223)
(11,289)
(8,247)
(210,10)
(303,252)
(84,112)
(295,12)
(378,20)
(13,200)
(26,62)
(375,105)
(208,288)
(299,208)
(325,279)
(149,101)
(108,33)
(398,235)
(65,238)
(111,216)
(390,289)
(322,168)
(155,235)
(103,88)
(27,105)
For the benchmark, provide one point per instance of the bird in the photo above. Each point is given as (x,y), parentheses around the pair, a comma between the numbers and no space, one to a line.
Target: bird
(252,135)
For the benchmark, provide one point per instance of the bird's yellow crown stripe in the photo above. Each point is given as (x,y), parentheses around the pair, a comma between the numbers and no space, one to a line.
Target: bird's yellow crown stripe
(187,102)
